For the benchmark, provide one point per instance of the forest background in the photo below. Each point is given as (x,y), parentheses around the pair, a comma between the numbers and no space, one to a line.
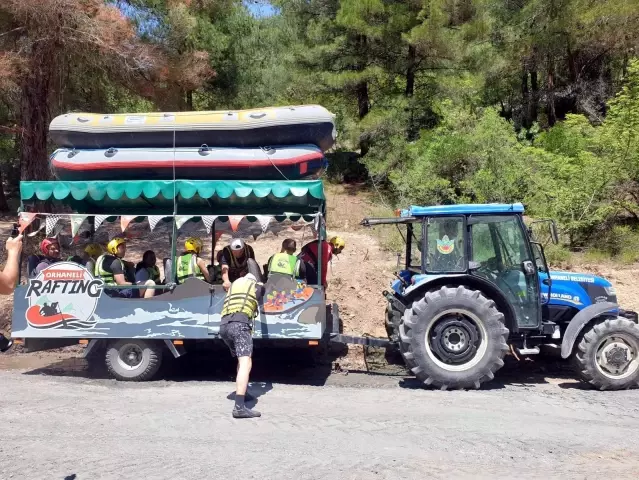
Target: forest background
(436,101)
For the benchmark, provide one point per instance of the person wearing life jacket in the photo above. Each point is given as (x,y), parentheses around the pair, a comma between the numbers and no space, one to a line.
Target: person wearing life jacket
(190,264)
(147,269)
(309,256)
(286,263)
(236,260)
(240,307)
(113,271)
(50,247)
(91,254)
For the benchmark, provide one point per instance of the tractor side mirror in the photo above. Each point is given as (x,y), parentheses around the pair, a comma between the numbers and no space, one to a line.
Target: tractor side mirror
(553,233)
(528,268)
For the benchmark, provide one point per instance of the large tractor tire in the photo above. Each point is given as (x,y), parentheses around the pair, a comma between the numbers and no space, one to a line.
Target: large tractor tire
(393,320)
(134,360)
(607,354)
(453,338)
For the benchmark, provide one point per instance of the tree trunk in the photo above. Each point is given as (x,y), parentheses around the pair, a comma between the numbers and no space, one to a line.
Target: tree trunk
(552,116)
(410,71)
(189,100)
(4,206)
(34,114)
(534,101)
(361,89)
(525,97)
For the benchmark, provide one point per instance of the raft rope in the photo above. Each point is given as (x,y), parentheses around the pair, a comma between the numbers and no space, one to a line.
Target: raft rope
(266,150)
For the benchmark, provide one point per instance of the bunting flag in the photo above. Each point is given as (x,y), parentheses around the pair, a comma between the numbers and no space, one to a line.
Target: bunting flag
(208,221)
(76,223)
(264,220)
(51,221)
(218,235)
(235,220)
(98,220)
(154,220)
(125,220)
(297,227)
(255,235)
(24,220)
(180,220)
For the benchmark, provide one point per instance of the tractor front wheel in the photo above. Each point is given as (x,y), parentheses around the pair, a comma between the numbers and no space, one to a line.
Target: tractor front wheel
(453,338)
(607,354)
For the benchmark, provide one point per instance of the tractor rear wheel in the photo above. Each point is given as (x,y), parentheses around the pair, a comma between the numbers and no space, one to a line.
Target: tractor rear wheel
(393,319)
(607,354)
(453,338)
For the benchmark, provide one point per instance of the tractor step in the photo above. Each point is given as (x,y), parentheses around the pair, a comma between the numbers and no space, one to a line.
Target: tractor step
(528,351)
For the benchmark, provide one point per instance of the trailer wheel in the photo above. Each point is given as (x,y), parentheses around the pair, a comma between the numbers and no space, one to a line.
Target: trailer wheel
(453,338)
(607,354)
(133,360)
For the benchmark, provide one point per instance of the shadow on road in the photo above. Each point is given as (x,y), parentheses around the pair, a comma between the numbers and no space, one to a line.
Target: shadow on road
(295,366)
(313,366)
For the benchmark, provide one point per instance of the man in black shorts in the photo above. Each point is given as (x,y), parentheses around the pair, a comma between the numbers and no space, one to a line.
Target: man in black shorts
(238,313)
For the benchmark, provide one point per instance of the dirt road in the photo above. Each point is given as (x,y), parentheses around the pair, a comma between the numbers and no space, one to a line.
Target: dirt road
(354,426)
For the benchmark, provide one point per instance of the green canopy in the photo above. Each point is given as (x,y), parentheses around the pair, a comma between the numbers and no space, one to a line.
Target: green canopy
(195,197)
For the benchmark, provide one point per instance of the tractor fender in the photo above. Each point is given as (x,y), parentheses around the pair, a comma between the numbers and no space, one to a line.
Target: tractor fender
(579,321)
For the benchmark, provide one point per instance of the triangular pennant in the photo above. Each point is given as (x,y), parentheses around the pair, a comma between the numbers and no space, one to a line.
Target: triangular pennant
(208,221)
(76,223)
(255,235)
(154,220)
(24,220)
(51,221)
(180,220)
(98,220)
(235,220)
(264,220)
(125,220)
(218,235)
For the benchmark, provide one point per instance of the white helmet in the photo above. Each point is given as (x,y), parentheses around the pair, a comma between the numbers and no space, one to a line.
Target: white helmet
(250,276)
(237,244)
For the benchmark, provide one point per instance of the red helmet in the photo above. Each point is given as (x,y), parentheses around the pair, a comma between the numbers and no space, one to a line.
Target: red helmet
(46,243)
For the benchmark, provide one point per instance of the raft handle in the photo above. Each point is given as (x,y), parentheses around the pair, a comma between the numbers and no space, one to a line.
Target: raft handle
(257,115)
(110,152)
(72,153)
(204,150)
(83,119)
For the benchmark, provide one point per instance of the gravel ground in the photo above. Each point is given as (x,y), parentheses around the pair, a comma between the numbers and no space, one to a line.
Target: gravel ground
(62,425)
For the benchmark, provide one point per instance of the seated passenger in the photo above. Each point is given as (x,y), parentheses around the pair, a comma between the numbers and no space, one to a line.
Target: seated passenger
(92,252)
(285,262)
(236,260)
(190,264)
(113,271)
(147,269)
(51,250)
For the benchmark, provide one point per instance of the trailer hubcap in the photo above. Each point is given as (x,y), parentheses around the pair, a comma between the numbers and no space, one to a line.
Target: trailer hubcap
(456,340)
(130,357)
(617,356)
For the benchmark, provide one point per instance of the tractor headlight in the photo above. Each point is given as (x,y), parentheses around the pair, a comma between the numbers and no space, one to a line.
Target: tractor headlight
(610,291)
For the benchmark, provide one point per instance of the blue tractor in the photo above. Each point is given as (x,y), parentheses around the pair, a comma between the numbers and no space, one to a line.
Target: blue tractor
(475,285)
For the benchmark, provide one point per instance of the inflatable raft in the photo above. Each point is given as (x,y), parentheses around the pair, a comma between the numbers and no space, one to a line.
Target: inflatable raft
(205,163)
(243,129)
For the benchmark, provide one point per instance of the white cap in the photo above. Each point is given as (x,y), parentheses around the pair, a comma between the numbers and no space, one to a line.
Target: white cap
(237,244)
(250,276)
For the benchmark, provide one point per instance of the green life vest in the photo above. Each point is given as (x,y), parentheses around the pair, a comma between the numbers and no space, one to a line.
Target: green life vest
(284,263)
(187,267)
(154,273)
(241,298)
(100,272)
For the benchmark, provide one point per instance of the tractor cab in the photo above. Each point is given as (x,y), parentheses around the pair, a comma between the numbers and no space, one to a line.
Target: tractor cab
(487,245)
